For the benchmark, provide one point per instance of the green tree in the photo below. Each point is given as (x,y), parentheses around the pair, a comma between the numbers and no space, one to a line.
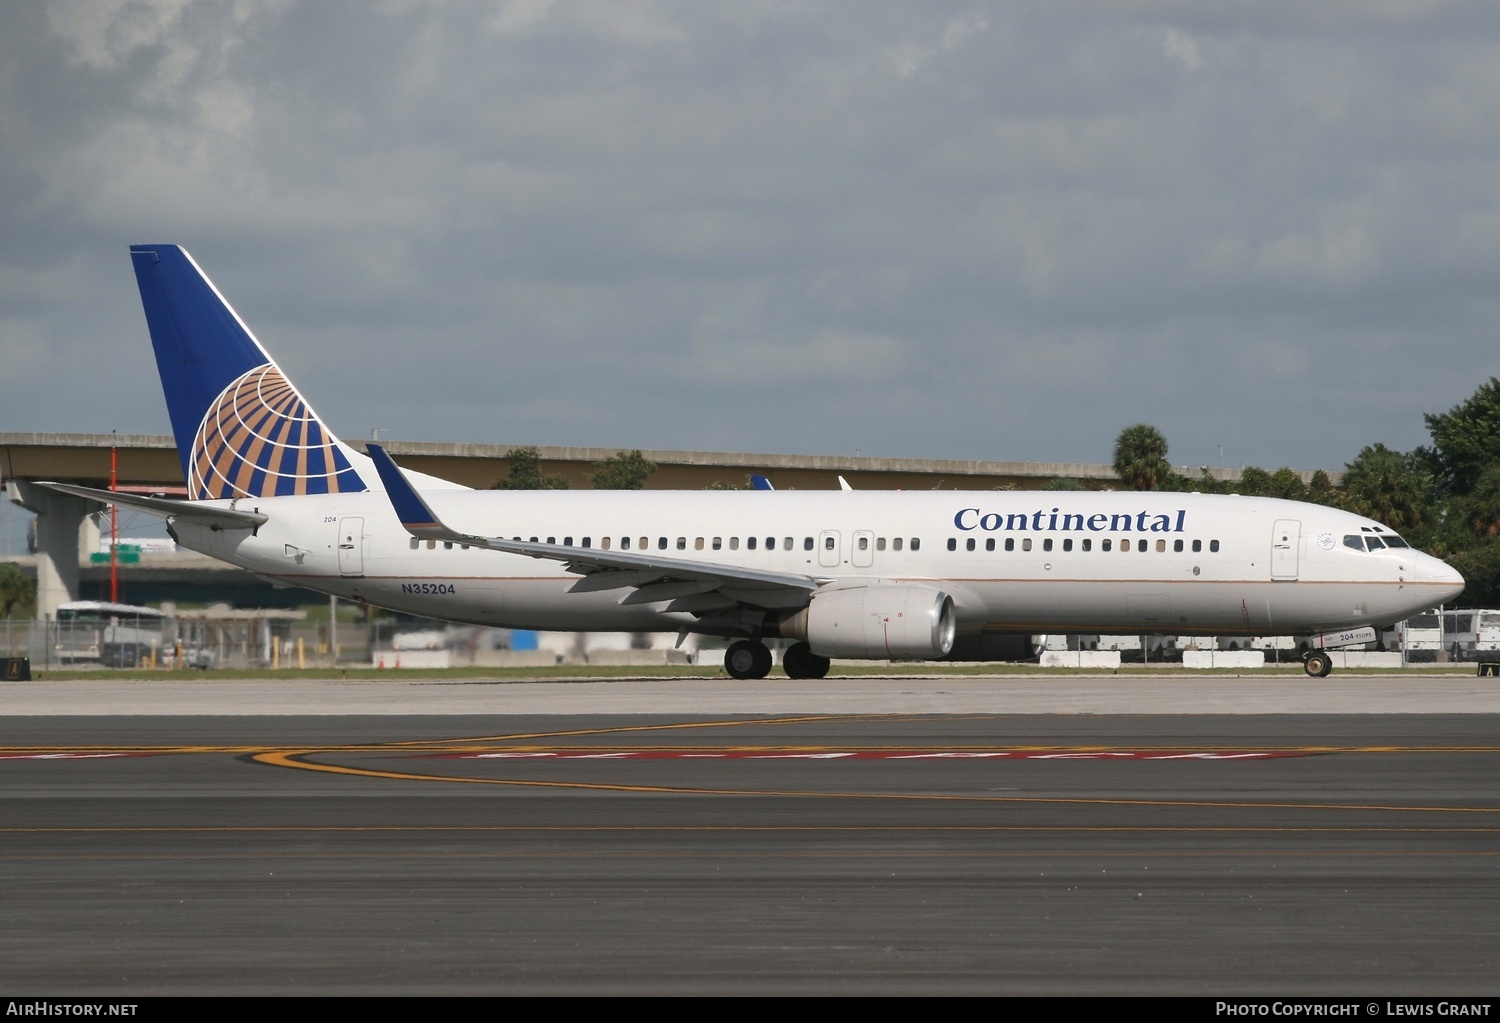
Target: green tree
(1322,491)
(1479,563)
(1387,486)
(1253,482)
(526,472)
(624,470)
(17,593)
(1063,483)
(1141,457)
(1466,438)
(1481,508)
(1286,483)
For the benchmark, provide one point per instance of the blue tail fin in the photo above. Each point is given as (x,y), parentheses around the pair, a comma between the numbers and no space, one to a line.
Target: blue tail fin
(242,429)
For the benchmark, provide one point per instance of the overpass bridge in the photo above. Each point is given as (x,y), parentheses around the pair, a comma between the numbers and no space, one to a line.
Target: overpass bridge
(66,533)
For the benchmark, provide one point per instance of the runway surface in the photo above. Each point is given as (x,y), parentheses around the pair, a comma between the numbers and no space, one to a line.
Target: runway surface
(899,853)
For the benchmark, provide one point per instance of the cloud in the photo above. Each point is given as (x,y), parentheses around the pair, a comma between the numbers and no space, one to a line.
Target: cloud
(948,230)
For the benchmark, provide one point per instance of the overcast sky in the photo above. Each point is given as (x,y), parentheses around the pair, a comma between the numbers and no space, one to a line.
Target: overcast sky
(970,230)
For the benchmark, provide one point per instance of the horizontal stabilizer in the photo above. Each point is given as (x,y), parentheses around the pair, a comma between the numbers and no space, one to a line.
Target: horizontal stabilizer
(186,511)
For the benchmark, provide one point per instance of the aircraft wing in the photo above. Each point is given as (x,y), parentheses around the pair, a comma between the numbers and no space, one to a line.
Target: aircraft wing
(652,578)
(188,511)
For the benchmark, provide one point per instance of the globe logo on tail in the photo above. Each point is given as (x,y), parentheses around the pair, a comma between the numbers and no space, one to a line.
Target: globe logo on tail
(260,439)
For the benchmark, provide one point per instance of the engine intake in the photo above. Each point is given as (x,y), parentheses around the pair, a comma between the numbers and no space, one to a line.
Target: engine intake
(899,622)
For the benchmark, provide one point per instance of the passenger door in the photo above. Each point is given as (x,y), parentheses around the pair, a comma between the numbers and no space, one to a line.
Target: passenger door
(351,547)
(1286,538)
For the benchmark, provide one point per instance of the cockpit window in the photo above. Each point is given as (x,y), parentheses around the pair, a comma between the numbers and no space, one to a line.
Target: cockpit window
(1355,542)
(1392,540)
(1376,544)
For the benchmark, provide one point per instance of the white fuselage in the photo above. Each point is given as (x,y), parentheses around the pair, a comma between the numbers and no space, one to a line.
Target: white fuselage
(1074,562)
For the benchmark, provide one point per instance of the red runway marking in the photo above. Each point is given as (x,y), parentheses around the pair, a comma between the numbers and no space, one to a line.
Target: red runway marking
(872,755)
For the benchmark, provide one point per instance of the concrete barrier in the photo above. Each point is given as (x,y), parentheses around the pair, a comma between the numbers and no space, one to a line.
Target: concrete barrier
(1223,659)
(639,657)
(412,658)
(1364,659)
(1106,659)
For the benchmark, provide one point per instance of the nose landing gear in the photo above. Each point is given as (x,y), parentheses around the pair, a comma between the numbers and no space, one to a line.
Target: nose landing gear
(1317,663)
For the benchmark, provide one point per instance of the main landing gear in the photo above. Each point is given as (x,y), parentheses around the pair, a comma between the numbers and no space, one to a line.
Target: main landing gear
(1317,663)
(800,662)
(748,658)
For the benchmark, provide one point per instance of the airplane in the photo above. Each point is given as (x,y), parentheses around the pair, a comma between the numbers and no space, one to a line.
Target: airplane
(914,575)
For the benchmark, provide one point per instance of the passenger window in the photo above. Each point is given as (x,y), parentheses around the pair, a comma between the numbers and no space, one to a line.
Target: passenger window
(989,544)
(1026,544)
(414,543)
(1088,544)
(533,539)
(588,541)
(567,541)
(807,543)
(698,543)
(749,543)
(864,543)
(1104,545)
(896,544)
(1197,546)
(1124,546)
(718,543)
(1141,546)
(880,543)
(916,543)
(1177,546)
(786,544)
(970,544)
(432,544)
(552,540)
(682,543)
(734,543)
(770,543)
(828,543)
(603,543)
(1010,543)
(624,543)
(1213,546)
(1047,544)
(645,542)
(952,544)
(1068,544)
(661,543)
(1161,547)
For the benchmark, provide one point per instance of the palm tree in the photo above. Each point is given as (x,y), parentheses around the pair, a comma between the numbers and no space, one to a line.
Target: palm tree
(1387,486)
(1141,457)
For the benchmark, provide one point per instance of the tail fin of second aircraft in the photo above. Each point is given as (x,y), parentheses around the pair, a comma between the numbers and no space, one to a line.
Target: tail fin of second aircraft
(242,428)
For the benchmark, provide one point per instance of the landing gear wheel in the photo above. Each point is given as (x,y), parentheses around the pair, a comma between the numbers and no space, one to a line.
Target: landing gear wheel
(800,662)
(1317,664)
(746,659)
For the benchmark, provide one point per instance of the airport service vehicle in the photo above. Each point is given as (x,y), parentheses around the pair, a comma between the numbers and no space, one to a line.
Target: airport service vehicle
(848,574)
(115,635)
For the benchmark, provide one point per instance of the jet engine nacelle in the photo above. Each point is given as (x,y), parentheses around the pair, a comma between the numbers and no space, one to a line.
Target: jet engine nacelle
(900,622)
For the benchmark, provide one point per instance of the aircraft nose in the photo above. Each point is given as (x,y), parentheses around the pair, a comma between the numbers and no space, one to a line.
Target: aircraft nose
(1448,577)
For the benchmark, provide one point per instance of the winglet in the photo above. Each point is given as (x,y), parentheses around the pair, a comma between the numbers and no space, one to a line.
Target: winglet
(419,519)
(759,482)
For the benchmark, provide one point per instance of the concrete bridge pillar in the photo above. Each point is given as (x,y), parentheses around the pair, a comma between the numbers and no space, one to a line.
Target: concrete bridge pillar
(65,528)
